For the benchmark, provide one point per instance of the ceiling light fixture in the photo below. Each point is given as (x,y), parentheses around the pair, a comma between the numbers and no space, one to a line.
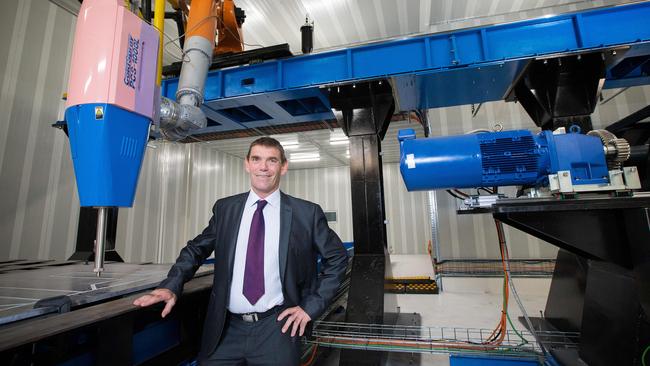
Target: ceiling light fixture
(303,160)
(305,156)
(288,141)
(338,138)
(290,145)
(339,142)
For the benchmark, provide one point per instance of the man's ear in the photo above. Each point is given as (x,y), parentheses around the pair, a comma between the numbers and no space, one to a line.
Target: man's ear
(284,168)
(246,166)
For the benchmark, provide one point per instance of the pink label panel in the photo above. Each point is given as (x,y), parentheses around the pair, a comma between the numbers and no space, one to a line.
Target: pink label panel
(115,58)
(128,63)
(144,99)
(136,53)
(92,52)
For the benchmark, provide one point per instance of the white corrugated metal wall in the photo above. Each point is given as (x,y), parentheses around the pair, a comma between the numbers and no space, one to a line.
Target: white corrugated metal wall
(408,226)
(38,203)
(178,185)
(214,175)
(407,217)
(329,187)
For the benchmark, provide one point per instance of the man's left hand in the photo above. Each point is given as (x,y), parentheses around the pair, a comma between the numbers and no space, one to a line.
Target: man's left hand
(296,317)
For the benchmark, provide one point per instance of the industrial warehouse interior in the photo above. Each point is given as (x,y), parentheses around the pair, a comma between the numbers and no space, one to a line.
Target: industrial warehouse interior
(483,168)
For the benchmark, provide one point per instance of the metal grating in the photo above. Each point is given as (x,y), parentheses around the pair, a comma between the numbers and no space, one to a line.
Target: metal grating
(303,106)
(494,268)
(244,114)
(425,339)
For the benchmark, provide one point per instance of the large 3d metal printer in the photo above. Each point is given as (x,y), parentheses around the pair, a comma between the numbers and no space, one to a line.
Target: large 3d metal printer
(578,188)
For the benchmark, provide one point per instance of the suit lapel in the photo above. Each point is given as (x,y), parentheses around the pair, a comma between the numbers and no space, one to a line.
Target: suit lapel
(285,231)
(235,214)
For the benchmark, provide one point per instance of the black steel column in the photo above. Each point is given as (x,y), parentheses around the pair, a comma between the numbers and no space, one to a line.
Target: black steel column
(638,233)
(366,110)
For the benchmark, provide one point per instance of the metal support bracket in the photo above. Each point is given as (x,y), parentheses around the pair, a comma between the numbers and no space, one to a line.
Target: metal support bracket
(620,180)
(562,91)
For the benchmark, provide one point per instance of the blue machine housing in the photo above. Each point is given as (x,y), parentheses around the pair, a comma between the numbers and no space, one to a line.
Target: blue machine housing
(505,158)
(107,144)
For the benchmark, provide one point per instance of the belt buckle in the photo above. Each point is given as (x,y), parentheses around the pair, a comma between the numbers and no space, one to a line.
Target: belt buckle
(250,317)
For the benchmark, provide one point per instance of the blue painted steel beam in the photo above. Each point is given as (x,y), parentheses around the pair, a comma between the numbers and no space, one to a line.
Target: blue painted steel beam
(460,67)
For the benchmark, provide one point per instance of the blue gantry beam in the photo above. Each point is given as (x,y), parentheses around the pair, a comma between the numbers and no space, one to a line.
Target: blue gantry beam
(445,69)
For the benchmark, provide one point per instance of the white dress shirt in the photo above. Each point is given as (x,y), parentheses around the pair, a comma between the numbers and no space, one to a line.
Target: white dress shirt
(272,285)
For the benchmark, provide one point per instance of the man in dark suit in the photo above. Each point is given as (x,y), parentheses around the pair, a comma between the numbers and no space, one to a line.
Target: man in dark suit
(266,289)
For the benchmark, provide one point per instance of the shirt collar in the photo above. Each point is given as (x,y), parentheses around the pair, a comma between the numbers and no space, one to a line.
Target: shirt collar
(273,199)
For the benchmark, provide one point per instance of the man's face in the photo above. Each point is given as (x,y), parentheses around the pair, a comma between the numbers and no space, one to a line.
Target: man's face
(265,167)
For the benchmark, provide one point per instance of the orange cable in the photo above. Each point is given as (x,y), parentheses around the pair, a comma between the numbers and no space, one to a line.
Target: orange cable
(494,340)
(312,357)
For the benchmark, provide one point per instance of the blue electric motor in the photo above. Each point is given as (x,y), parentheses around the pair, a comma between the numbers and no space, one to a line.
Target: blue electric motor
(505,158)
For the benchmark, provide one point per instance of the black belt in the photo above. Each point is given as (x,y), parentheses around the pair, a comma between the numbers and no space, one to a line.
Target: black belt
(255,317)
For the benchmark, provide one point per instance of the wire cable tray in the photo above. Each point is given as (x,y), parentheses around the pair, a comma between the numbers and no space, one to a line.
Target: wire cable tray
(426,339)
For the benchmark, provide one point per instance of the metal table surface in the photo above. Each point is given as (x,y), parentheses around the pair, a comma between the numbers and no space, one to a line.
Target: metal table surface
(587,203)
(23,283)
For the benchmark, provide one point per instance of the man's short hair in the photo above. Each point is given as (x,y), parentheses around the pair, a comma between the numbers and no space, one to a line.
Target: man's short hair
(268,142)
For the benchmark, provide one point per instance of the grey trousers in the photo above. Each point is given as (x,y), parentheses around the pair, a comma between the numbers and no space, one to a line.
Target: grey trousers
(259,343)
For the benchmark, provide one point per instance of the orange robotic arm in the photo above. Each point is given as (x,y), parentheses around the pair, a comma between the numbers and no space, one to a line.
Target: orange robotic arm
(229,29)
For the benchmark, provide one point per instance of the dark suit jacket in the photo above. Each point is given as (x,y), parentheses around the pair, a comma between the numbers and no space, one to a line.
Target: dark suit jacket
(303,233)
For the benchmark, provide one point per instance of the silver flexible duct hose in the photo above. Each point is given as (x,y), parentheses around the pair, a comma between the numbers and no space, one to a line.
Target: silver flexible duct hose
(178,119)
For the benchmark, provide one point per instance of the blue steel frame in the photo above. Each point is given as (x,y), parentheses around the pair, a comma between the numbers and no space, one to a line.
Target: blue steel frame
(479,64)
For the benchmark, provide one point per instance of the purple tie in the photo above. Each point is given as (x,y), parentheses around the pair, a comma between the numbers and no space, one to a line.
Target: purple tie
(254,271)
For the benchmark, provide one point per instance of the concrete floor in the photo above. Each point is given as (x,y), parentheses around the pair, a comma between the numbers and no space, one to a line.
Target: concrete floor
(464,301)
(469,302)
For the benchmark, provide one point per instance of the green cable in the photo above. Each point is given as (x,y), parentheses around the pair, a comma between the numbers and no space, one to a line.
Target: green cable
(643,355)
(308,351)
(525,341)
(505,283)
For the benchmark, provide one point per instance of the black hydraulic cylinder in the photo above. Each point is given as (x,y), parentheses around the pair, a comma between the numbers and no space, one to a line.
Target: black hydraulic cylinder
(307,33)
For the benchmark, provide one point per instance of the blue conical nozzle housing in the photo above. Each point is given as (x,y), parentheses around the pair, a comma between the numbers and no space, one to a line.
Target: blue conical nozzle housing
(107,145)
